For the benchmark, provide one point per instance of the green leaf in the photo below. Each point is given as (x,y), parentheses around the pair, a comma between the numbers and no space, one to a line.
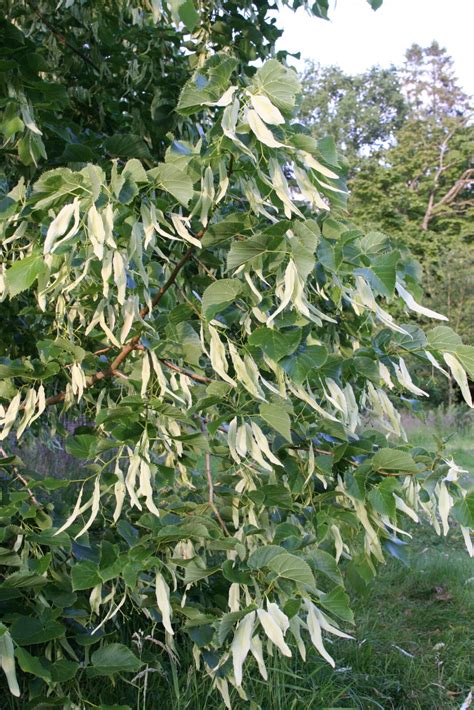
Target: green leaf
(444,339)
(23,274)
(325,563)
(219,295)
(242,252)
(82,446)
(232,225)
(262,556)
(299,365)
(320,9)
(201,635)
(394,460)
(185,10)
(337,602)
(381,497)
(463,511)
(327,148)
(127,190)
(279,83)
(84,575)
(78,153)
(27,630)
(275,494)
(234,574)
(275,343)
(292,607)
(172,179)
(278,418)
(64,670)
(207,85)
(135,170)
(414,340)
(384,268)
(32,664)
(197,570)
(127,146)
(8,207)
(465,355)
(306,236)
(190,341)
(48,538)
(292,567)
(114,658)
(24,579)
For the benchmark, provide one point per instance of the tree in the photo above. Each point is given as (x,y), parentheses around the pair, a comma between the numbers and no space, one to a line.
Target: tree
(362,112)
(431,86)
(204,303)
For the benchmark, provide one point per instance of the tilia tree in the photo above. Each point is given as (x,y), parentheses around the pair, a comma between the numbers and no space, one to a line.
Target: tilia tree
(179,268)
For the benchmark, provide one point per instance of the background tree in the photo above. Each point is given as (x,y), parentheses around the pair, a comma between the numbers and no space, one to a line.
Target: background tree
(361,112)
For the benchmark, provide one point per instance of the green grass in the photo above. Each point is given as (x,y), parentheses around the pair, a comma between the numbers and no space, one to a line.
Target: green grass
(459,443)
(426,611)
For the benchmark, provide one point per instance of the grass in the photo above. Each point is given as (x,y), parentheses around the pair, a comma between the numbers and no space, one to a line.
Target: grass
(413,645)
(414,631)
(454,426)
(414,638)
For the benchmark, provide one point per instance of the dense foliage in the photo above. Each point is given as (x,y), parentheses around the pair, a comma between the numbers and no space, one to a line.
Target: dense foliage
(204,303)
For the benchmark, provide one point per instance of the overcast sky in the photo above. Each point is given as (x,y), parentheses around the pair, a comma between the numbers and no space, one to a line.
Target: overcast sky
(357,37)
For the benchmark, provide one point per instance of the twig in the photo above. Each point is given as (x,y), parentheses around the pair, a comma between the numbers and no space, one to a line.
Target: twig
(204,268)
(20,478)
(188,373)
(210,487)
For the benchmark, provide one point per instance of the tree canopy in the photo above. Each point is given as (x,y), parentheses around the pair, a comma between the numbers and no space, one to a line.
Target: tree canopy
(178,267)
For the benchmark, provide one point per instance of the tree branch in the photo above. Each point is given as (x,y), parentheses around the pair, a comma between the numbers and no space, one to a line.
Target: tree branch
(188,373)
(112,370)
(21,478)
(210,488)
(452,193)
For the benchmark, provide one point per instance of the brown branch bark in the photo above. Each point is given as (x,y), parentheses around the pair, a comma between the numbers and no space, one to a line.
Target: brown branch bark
(193,375)
(439,170)
(463,181)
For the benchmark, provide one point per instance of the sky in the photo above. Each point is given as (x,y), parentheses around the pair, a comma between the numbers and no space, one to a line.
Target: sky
(356,37)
